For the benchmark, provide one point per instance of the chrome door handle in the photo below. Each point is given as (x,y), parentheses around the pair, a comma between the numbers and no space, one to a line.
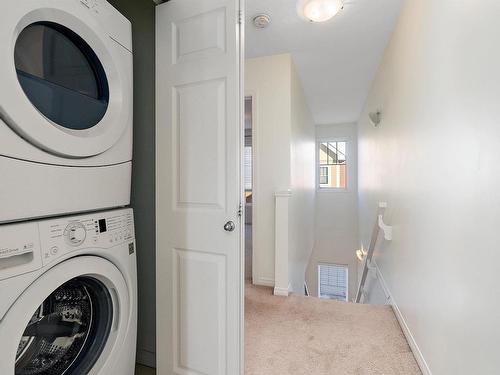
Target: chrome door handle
(229,226)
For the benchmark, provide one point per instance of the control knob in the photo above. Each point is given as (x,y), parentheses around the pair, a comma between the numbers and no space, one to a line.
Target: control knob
(75,234)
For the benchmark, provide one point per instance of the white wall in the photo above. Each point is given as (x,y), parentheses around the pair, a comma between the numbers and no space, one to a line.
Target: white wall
(283,135)
(435,159)
(302,201)
(336,214)
(267,80)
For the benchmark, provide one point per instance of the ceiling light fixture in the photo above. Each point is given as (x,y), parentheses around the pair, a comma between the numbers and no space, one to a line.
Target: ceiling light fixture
(319,10)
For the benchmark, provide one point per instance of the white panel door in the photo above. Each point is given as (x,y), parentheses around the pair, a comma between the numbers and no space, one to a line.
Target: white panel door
(199,273)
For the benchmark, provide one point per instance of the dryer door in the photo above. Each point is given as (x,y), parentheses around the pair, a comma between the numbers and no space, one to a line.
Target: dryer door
(66,85)
(68,321)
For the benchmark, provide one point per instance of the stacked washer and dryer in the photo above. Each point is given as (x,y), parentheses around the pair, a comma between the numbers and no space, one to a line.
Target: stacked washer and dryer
(68,281)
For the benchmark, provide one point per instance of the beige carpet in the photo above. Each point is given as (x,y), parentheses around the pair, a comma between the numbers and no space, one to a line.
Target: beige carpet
(307,336)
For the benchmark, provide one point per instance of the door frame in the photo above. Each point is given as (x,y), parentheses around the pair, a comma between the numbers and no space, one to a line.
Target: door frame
(241,63)
(251,94)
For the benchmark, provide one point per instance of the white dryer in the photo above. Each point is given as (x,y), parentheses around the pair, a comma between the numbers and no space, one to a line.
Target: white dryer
(65,107)
(69,296)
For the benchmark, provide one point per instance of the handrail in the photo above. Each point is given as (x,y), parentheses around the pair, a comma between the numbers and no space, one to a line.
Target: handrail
(379,224)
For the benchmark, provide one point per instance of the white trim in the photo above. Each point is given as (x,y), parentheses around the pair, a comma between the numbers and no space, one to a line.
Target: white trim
(281,240)
(241,68)
(284,193)
(282,292)
(419,357)
(255,172)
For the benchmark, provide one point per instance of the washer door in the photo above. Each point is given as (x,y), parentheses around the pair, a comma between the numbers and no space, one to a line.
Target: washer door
(69,320)
(66,87)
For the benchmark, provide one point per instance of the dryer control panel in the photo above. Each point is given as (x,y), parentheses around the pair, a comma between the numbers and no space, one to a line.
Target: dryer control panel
(102,230)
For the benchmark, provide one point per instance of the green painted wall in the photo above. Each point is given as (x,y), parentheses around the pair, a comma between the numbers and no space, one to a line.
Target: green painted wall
(142,15)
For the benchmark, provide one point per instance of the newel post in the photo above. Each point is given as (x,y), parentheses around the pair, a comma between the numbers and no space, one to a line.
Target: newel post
(281,279)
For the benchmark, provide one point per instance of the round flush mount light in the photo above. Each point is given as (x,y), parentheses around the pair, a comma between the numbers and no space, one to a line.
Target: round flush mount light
(261,21)
(319,10)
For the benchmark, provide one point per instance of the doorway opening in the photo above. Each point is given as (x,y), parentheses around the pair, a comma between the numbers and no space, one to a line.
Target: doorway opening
(248,179)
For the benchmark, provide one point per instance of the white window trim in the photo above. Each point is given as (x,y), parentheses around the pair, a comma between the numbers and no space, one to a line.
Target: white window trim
(346,277)
(347,140)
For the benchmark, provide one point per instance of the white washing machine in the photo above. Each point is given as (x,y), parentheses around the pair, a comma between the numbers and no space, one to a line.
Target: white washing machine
(65,107)
(69,295)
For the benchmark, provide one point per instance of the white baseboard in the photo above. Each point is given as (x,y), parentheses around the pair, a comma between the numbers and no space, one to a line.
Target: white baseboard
(283,292)
(424,367)
(264,281)
(146,358)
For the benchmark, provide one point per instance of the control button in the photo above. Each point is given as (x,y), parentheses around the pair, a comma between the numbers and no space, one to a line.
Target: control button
(54,250)
(75,234)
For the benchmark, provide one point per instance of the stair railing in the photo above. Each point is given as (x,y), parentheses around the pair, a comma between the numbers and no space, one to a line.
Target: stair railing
(379,224)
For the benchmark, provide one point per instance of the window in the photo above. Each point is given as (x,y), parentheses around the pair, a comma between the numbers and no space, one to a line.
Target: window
(248,168)
(332,165)
(332,282)
(323,175)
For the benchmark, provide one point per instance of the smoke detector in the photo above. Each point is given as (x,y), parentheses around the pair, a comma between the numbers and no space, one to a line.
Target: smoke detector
(261,21)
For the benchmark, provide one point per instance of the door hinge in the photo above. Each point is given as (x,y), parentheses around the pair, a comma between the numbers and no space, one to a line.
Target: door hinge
(240,210)
(240,17)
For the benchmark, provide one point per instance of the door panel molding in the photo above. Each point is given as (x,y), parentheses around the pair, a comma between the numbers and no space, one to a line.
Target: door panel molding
(199,133)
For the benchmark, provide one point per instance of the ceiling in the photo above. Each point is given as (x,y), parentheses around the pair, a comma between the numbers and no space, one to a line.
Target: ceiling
(336,60)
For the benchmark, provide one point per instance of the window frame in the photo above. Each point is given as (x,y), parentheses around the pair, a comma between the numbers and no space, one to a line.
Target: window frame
(319,141)
(346,267)
(326,175)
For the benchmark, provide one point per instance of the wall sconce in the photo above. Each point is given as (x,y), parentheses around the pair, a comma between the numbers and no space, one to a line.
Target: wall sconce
(361,254)
(375,118)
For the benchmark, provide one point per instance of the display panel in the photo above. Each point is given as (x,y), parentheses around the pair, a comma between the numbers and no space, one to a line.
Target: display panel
(102,226)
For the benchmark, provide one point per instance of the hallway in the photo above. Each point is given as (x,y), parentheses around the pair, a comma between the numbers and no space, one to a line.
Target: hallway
(304,335)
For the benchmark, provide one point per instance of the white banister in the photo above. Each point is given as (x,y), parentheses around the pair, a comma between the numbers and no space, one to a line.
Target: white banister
(367,266)
(281,278)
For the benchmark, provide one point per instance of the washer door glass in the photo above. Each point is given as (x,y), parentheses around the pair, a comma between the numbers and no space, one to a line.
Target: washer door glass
(68,332)
(61,75)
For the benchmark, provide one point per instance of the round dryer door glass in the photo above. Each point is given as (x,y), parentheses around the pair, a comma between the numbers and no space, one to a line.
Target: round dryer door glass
(61,75)
(68,332)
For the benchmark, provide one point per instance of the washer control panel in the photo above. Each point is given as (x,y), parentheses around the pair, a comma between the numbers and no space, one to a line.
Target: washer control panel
(103,230)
